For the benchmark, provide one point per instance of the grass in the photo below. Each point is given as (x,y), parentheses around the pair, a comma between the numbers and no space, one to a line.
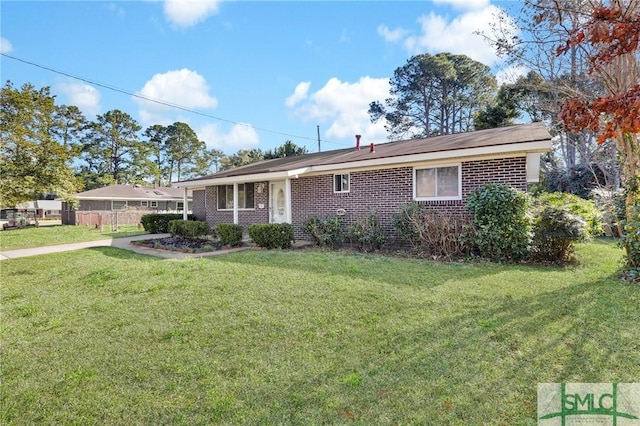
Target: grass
(305,337)
(13,239)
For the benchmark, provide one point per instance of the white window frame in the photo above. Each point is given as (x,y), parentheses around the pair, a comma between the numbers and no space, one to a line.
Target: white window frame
(341,190)
(437,198)
(118,201)
(153,204)
(144,204)
(178,207)
(239,208)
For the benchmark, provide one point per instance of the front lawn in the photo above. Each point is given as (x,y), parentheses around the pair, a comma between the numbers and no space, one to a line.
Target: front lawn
(105,336)
(13,239)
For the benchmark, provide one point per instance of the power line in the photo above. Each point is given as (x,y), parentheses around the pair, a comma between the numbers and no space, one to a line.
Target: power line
(159,101)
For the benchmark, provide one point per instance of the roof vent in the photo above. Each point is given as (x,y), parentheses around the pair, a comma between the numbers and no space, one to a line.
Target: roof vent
(358,142)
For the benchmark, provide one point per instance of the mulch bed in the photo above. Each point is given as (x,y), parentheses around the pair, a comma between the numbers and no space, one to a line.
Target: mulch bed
(184,245)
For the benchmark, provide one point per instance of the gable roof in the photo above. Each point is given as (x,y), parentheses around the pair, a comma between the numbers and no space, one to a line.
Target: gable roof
(128,192)
(523,138)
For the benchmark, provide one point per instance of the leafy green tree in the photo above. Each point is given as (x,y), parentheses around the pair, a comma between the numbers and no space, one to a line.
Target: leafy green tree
(287,149)
(156,139)
(434,95)
(114,148)
(500,113)
(182,148)
(242,158)
(33,161)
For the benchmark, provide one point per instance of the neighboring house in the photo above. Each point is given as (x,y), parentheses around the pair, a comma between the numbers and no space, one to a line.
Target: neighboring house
(43,209)
(438,172)
(126,198)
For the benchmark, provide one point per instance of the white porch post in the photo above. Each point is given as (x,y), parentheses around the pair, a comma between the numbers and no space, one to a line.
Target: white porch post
(235,203)
(287,206)
(185,204)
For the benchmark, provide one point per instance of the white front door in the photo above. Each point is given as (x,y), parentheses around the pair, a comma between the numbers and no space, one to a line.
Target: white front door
(278,202)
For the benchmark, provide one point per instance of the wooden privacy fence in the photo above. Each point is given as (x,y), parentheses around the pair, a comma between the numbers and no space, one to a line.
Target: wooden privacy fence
(101,218)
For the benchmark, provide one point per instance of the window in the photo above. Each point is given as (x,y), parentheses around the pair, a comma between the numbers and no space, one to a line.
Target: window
(144,204)
(437,183)
(118,205)
(341,183)
(180,205)
(245,196)
(153,204)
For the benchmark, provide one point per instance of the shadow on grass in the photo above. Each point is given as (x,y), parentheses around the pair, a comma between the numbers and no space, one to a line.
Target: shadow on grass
(379,268)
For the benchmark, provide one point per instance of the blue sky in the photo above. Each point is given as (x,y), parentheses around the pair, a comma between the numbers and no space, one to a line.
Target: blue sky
(257,73)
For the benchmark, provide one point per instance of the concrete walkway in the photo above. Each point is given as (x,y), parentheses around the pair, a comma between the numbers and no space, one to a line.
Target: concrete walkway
(121,243)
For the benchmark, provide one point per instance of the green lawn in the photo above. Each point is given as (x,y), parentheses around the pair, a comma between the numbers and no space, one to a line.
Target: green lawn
(12,239)
(106,336)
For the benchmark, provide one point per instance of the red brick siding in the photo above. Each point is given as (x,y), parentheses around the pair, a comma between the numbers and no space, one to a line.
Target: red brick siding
(383,190)
(386,190)
(245,217)
(199,208)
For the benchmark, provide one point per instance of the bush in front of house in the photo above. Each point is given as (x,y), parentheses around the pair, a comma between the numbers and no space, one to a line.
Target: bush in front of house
(431,232)
(325,232)
(367,233)
(158,223)
(272,235)
(502,225)
(230,234)
(586,209)
(188,228)
(555,230)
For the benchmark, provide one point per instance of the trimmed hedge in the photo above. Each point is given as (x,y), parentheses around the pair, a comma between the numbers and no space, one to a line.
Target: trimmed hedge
(325,232)
(272,235)
(158,223)
(188,228)
(229,234)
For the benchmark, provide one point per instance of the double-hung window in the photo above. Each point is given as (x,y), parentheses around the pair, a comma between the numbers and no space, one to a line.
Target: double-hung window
(118,205)
(245,196)
(341,183)
(437,183)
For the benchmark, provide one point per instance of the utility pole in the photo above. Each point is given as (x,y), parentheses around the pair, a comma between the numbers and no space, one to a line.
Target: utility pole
(318,128)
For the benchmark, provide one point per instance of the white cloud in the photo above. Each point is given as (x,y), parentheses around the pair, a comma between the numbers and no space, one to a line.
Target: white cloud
(5,45)
(299,94)
(454,35)
(345,106)
(183,88)
(187,13)
(240,136)
(392,36)
(85,97)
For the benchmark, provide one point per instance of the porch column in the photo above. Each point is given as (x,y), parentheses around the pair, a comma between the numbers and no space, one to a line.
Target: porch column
(287,205)
(235,203)
(185,204)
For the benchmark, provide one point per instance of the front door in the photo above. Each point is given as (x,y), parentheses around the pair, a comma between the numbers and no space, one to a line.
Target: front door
(278,202)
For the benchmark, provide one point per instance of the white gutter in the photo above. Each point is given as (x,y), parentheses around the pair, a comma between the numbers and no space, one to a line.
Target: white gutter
(285,174)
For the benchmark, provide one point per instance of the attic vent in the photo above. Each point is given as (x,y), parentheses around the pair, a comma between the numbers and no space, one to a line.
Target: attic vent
(157,192)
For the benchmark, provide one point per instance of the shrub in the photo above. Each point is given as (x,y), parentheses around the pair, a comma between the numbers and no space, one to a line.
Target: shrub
(612,206)
(367,233)
(325,232)
(158,223)
(586,209)
(188,228)
(272,235)
(555,230)
(410,224)
(502,226)
(630,241)
(431,232)
(230,234)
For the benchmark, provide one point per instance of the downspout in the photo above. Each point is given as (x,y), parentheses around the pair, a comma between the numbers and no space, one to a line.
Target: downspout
(185,204)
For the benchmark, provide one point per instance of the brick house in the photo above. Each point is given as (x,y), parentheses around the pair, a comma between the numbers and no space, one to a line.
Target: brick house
(350,183)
